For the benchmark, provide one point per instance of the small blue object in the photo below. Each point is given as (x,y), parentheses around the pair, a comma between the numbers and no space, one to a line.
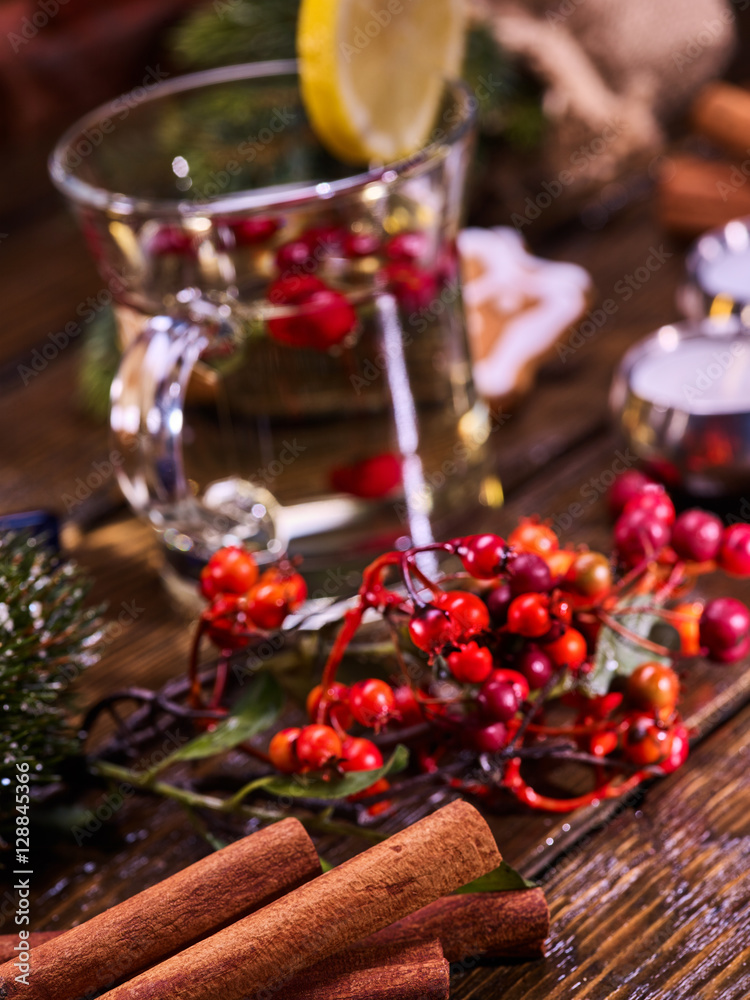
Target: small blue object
(39,524)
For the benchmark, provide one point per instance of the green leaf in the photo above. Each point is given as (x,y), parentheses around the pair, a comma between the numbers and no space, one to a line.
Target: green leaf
(617,655)
(325,866)
(254,712)
(499,880)
(302,786)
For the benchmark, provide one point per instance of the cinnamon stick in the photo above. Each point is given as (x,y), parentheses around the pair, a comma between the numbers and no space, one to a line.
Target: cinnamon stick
(167,917)
(414,971)
(510,924)
(260,954)
(476,925)
(8,942)
(694,195)
(721,112)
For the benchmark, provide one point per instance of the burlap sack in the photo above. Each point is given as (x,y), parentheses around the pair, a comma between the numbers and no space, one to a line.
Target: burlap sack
(616,69)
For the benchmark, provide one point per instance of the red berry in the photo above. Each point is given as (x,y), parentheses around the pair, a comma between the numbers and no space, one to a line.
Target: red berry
(371,478)
(255,229)
(471,664)
(231,570)
(734,556)
(569,650)
(406,246)
(282,750)
(361,244)
(468,612)
(647,743)
(653,686)
(561,609)
(654,499)
(337,705)
(482,555)
(360,755)
(228,624)
(430,629)
(517,681)
(738,652)
(639,535)
(697,535)
(294,290)
(624,488)
(407,706)
(528,572)
(324,240)
(413,287)
(318,318)
(590,574)
(535,666)
(274,596)
(498,601)
(532,535)
(171,241)
(725,629)
(295,256)
(371,701)
(498,700)
(267,605)
(678,752)
(316,745)
(602,744)
(487,739)
(528,615)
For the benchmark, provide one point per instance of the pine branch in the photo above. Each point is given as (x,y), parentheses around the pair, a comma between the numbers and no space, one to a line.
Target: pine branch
(47,640)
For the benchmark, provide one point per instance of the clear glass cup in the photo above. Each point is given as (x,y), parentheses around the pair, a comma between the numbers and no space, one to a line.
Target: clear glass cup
(295,370)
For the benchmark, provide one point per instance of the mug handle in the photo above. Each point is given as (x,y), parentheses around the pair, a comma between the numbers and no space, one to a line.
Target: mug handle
(147,401)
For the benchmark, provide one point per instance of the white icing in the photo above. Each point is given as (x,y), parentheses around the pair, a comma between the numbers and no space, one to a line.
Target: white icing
(701,375)
(511,277)
(728,274)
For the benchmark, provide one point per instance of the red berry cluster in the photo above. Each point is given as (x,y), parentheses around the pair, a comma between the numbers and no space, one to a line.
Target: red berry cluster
(504,659)
(525,636)
(319,317)
(243,601)
(647,530)
(309,313)
(326,746)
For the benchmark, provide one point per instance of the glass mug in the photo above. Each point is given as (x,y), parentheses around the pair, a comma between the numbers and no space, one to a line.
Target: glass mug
(295,370)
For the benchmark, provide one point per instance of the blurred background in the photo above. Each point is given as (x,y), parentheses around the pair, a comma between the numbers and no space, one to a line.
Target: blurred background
(596,143)
(554,79)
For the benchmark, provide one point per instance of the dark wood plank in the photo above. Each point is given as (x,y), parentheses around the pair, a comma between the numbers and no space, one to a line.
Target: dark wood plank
(47,275)
(656,903)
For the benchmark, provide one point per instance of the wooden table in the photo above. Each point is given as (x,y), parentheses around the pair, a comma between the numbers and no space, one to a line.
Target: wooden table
(648,900)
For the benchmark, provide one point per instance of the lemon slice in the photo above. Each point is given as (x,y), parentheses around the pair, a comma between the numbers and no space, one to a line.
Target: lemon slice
(372,72)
